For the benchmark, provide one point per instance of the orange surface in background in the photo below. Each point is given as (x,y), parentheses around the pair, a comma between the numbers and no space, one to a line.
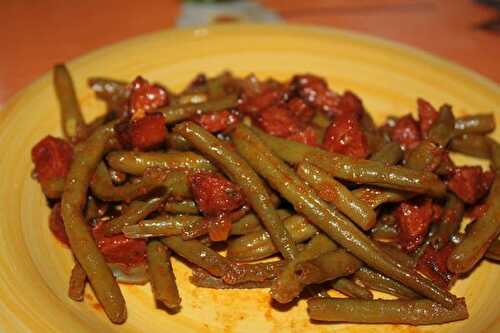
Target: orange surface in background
(37,34)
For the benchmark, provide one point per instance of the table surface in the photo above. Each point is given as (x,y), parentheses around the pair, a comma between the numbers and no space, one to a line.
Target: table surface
(37,34)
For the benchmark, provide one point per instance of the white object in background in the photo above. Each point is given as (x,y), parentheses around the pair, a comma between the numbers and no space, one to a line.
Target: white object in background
(200,14)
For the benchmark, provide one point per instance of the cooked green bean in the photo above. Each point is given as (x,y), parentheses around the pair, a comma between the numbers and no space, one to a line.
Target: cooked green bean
(53,188)
(113,92)
(326,267)
(202,226)
(165,225)
(374,196)
(136,163)
(333,223)
(137,211)
(177,142)
(495,154)
(426,156)
(251,223)
(201,278)
(398,255)
(477,124)
(351,289)
(240,273)
(493,252)
(355,170)
(383,232)
(376,281)
(321,120)
(178,113)
(442,130)
(181,207)
(258,245)
(482,233)
(161,275)
(81,241)
(241,173)
(72,122)
(287,286)
(390,154)
(475,145)
(190,98)
(77,282)
(334,192)
(373,136)
(198,254)
(450,222)
(413,312)
(103,188)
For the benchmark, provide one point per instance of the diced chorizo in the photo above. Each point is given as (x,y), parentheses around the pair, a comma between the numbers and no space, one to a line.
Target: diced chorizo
(214,122)
(278,121)
(148,132)
(414,219)
(118,248)
(470,183)
(303,112)
(306,136)
(406,132)
(432,263)
(214,194)
(52,158)
(427,115)
(345,136)
(314,91)
(145,97)
(253,105)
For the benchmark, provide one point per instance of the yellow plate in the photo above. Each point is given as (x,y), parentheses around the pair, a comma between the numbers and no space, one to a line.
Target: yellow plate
(34,268)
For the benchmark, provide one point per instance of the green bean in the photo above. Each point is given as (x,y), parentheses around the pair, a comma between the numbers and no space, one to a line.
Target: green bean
(72,122)
(450,222)
(477,124)
(333,223)
(136,163)
(241,173)
(486,229)
(178,113)
(442,130)
(413,312)
(355,170)
(376,281)
(104,189)
(334,192)
(287,286)
(389,154)
(240,273)
(201,278)
(398,255)
(251,223)
(177,142)
(475,145)
(258,245)
(177,183)
(351,289)
(181,207)
(203,226)
(326,267)
(495,154)
(53,188)
(383,232)
(165,225)
(81,241)
(373,136)
(426,156)
(77,281)
(113,92)
(161,275)
(493,252)
(137,211)
(198,254)
(374,197)
(190,98)
(321,120)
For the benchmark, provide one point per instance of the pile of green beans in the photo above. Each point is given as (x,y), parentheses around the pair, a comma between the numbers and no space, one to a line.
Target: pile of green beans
(312,220)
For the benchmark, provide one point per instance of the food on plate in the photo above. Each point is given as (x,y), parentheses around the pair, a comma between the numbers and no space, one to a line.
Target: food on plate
(294,181)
